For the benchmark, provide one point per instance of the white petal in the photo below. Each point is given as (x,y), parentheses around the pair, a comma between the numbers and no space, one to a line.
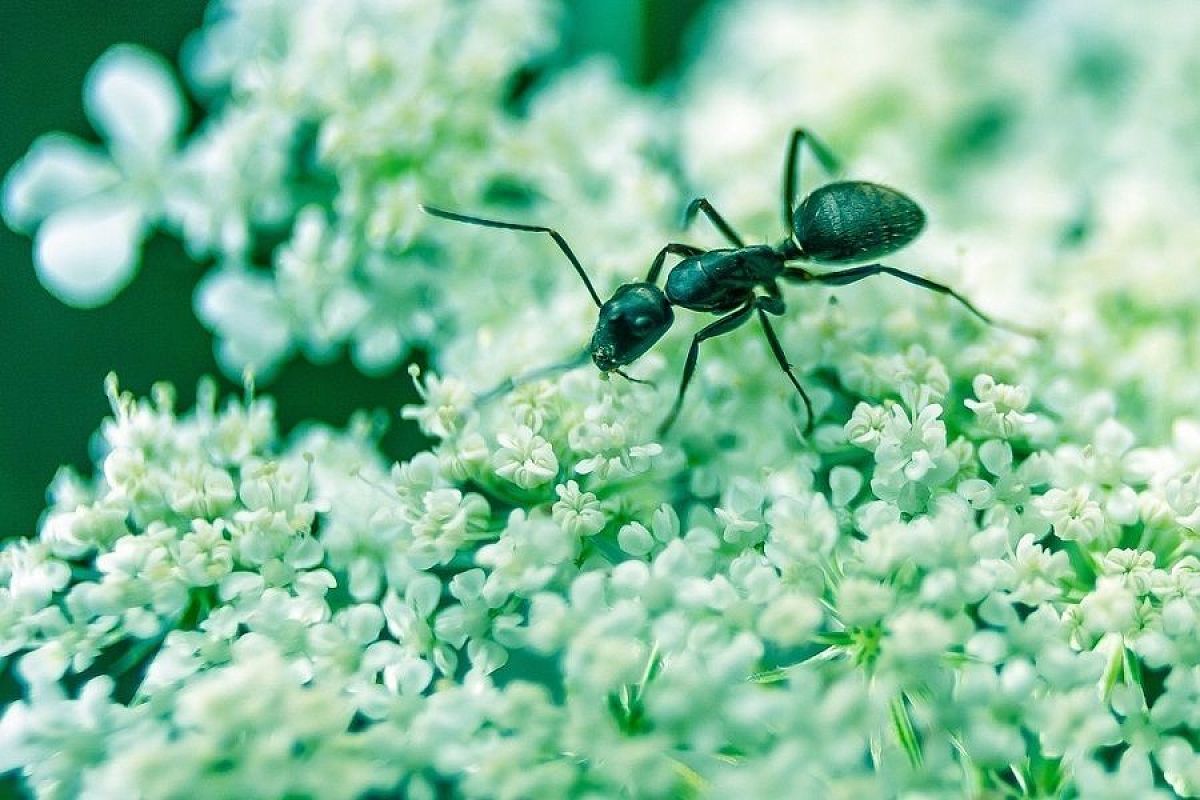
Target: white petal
(423,594)
(249,318)
(87,253)
(131,96)
(57,171)
(411,675)
(45,665)
(376,348)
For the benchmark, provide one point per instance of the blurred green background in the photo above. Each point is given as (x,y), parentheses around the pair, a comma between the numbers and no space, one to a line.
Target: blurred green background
(53,359)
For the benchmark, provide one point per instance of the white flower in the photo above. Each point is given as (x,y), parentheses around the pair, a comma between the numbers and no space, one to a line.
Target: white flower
(525,458)
(607,439)
(866,424)
(1133,777)
(446,405)
(442,523)
(916,635)
(526,557)
(55,739)
(1182,495)
(1033,574)
(78,531)
(802,530)
(1000,408)
(201,490)
(1109,608)
(92,212)
(790,620)
(635,539)
(741,513)
(1075,722)
(1074,515)
(912,446)
(32,576)
(920,378)
(862,602)
(204,554)
(578,512)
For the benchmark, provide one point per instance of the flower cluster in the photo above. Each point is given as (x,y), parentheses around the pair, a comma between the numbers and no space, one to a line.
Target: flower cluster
(973,603)
(303,181)
(978,575)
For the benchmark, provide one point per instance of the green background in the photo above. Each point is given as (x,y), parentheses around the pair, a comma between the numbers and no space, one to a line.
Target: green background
(53,359)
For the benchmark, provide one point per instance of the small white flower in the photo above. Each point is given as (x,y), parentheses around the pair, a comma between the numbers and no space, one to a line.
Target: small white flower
(442,523)
(446,405)
(1032,574)
(578,512)
(1134,777)
(1074,515)
(802,530)
(790,620)
(911,446)
(201,490)
(917,634)
(204,554)
(524,458)
(1134,567)
(1109,608)
(920,378)
(866,424)
(741,513)
(31,575)
(1000,409)
(862,601)
(1182,495)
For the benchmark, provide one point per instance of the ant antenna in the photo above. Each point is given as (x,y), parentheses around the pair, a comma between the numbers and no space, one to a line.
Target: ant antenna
(632,379)
(508,384)
(515,226)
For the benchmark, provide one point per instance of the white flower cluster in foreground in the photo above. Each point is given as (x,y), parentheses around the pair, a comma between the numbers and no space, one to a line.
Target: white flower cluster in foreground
(978,576)
(537,607)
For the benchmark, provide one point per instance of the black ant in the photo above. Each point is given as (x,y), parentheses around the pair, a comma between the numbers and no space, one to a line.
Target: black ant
(838,223)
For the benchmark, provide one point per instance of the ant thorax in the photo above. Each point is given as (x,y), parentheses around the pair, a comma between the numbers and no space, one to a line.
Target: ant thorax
(721,279)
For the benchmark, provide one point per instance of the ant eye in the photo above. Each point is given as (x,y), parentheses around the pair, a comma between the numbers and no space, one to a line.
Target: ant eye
(642,322)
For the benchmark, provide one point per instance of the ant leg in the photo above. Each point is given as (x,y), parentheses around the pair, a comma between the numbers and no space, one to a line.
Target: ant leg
(702,204)
(854,274)
(773,306)
(724,325)
(514,226)
(678,249)
(791,168)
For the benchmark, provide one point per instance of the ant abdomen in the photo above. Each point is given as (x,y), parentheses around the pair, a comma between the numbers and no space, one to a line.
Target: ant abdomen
(855,221)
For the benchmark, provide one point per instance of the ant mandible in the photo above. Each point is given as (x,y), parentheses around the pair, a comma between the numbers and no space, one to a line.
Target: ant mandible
(839,223)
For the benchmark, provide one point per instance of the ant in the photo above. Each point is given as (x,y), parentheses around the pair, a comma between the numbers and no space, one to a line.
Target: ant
(839,223)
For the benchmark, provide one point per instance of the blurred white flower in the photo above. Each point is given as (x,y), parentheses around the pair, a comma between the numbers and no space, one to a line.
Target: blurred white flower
(90,209)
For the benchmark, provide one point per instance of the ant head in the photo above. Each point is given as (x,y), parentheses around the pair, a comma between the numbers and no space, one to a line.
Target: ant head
(632,320)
